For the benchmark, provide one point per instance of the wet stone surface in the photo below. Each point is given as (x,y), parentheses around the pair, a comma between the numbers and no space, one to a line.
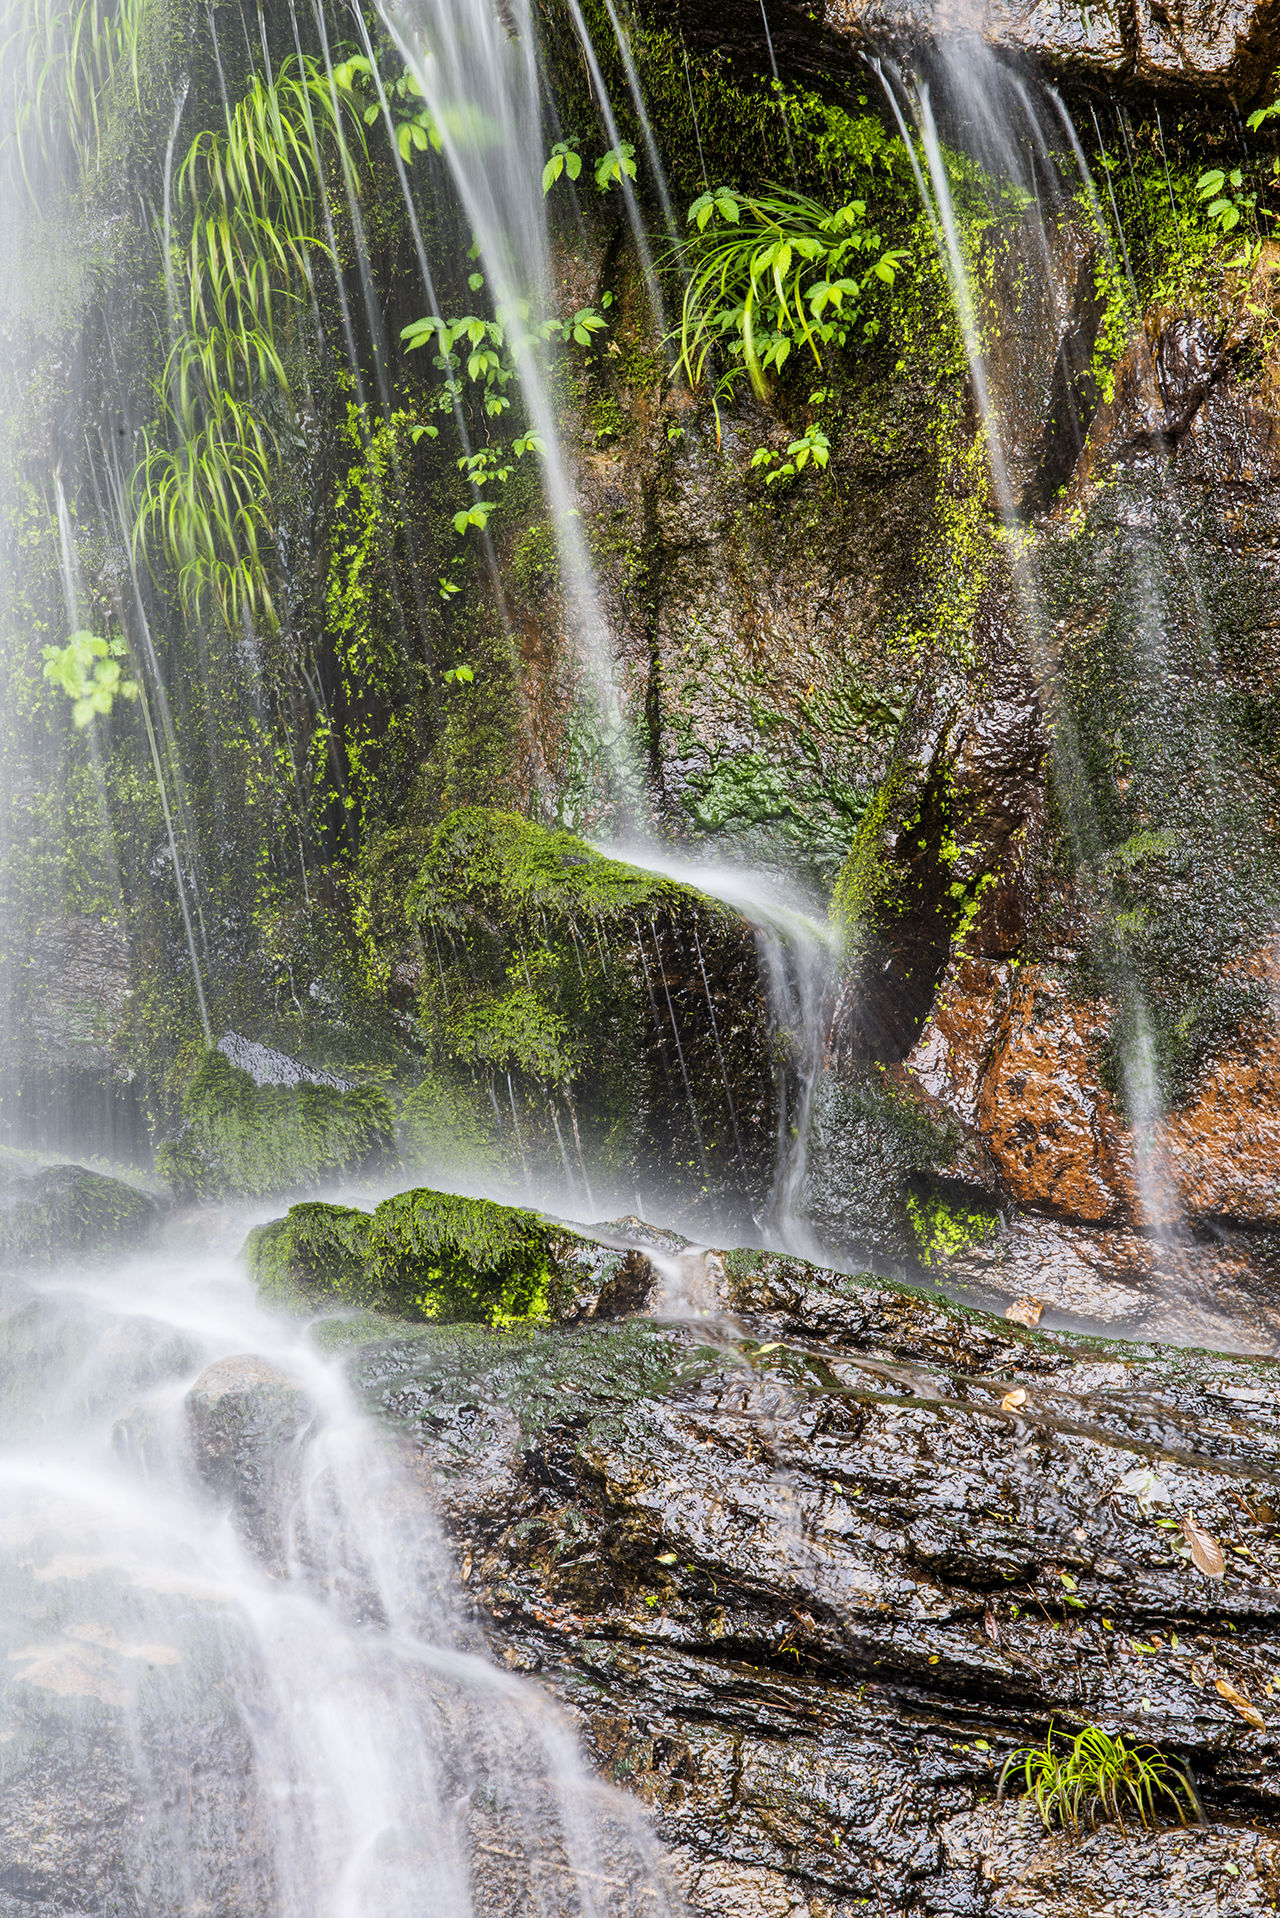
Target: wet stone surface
(808,1571)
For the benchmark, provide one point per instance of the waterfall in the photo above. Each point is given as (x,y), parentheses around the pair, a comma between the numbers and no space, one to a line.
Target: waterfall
(1005,131)
(259,1688)
(479,69)
(799,957)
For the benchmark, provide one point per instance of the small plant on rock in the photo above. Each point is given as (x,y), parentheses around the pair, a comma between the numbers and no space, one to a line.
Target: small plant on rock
(1095,1776)
(772,273)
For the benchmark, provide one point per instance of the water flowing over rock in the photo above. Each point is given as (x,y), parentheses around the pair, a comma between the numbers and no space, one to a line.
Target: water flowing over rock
(803,1603)
(640,780)
(1218,47)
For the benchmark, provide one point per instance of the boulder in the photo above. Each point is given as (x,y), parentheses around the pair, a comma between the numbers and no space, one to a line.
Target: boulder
(67,1213)
(429,1255)
(609,1022)
(806,1592)
(1012,1055)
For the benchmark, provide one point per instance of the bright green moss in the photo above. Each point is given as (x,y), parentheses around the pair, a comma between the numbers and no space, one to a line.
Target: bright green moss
(948,1221)
(436,1256)
(315,1252)
(445,1120)
(421,1255)
(865,876)
(570,990)
(247,1139)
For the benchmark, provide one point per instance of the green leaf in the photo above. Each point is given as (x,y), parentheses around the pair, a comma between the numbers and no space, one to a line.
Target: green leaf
(617,163)
(563,160)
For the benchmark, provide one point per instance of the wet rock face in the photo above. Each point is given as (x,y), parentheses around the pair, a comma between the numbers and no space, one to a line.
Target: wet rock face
(1009,1053)
(807,1587)
(245,1417)
(1217,47)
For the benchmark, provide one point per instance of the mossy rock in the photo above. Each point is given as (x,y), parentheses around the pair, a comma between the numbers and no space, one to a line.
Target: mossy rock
(316,1253)
(431,1255)
(614,1014)
(252,1140)
(66,1212)
(479,852)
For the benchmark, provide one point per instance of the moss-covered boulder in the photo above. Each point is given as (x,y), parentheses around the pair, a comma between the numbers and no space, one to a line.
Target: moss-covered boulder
(240,1137)
(606,1019)
(429,1255)
(65,1212)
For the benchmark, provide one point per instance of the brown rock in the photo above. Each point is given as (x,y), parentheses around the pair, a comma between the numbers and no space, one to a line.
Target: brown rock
(1050,1127)
(1007,1052)
(1223,1149)
(1224,47)
(952,1052)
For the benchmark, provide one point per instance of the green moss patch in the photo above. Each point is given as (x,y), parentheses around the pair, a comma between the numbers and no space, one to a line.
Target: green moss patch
(949,1218)
(420,1255)
(68,1213)
(240,1137)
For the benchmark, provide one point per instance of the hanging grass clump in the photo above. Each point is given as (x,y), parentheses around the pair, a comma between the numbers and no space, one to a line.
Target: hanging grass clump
(1095,1777)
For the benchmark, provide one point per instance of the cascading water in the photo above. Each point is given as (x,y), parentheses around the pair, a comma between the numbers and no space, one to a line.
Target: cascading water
(799,955)
(1001,125)
(256,1692)
(478,69)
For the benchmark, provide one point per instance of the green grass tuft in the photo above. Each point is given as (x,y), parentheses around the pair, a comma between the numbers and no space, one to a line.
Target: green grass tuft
(1098,1777)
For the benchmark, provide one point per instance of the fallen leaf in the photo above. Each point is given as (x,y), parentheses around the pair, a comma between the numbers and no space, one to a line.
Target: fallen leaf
(665,1558)
(1146,1486)
(1206,1553)
(1240,1703)
(1025,1311)
(1012,1400)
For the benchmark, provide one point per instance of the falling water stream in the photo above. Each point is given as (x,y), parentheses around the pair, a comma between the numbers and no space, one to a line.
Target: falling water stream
(1012,140)
(266,1700)
(231,1626)
(799,955)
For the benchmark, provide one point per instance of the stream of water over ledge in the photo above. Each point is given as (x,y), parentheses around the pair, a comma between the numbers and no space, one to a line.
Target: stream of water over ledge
(639,959)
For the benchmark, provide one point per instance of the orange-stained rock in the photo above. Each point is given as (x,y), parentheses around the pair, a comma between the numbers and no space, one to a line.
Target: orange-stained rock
(1010,1054)
(1049,1125)
(1223,1149)
(951,1054)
